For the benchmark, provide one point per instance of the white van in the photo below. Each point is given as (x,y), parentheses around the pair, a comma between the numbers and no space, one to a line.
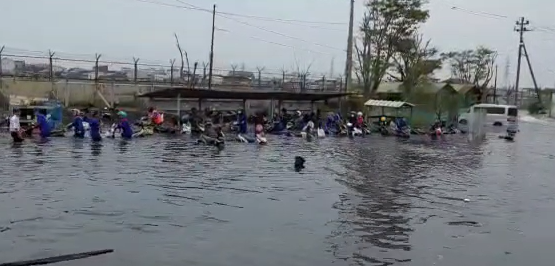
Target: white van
(497,115)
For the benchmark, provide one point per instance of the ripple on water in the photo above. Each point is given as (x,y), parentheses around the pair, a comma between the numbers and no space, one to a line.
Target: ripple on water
(372,201)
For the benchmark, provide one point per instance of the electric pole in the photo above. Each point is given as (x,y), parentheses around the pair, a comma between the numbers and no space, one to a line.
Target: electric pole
(495,87)
(212,48)
(520,28)
(349,60)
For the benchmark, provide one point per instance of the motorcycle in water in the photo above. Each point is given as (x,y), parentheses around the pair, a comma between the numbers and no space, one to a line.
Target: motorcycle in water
(403,132)
(217,142)
(111,133)
(234,127)
(261,140)
(258,139)
(350,130)
(353,131)
(510,136)
(383,129)
(436,133)
(186,128)
(321,133)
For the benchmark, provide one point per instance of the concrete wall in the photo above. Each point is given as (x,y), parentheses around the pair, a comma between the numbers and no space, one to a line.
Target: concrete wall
(79,93)
(75,92)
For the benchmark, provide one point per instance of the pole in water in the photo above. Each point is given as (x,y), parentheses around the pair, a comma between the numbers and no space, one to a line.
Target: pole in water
(56,259)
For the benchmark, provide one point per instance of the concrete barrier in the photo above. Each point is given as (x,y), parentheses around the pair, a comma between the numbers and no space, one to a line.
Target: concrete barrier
(76,92)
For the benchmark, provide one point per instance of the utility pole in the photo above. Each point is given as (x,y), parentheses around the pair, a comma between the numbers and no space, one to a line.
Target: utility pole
(1,78)
(135,69)
(520,28)
(1,50)
(51,65)
(536,89)
(495,87)
(212,48)
(349,60)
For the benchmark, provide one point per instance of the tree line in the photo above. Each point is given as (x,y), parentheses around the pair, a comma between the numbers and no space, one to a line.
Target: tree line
(390,47)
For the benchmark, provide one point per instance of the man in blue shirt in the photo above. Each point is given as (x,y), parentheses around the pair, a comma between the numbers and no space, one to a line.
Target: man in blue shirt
(77,125)
(124,126)
(94,123)
(42,123)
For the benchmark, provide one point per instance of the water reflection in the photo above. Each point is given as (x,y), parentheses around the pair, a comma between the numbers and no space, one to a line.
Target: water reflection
(123,146)
(96,148)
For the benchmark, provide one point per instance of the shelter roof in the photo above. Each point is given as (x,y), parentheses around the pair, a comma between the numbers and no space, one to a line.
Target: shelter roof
(388,104)
(185,93)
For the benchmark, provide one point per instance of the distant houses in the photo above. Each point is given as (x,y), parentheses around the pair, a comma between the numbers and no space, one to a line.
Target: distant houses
(234,80)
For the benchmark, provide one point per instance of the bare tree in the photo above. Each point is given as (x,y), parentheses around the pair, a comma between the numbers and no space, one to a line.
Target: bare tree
(303,72)
(260,69)
(180,55)
(172,64)
(184,58)
(233,68)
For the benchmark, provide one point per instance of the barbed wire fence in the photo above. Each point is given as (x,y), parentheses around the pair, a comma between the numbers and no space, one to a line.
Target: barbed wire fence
(54,66)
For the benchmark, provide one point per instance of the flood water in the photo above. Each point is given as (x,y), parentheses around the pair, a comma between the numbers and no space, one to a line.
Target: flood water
(372,201)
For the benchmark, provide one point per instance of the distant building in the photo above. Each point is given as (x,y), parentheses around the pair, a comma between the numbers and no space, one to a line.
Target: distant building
(101,68)
(8,66)
(19,66)
(239,80)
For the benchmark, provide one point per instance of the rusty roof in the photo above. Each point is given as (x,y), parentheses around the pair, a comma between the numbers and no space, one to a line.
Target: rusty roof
(186,93)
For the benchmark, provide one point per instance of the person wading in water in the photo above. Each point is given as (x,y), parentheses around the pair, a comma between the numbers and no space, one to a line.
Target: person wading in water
(15,127)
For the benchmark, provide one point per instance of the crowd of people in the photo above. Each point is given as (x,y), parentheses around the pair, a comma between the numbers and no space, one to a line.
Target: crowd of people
(209,124)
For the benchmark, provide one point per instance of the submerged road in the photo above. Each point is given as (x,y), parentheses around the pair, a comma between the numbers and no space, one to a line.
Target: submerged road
(373,201)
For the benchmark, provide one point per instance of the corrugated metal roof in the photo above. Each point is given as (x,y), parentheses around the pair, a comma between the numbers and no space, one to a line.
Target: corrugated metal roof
(389,104)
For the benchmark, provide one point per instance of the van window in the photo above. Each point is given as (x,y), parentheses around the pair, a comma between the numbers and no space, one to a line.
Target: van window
(513,112)
(492,110)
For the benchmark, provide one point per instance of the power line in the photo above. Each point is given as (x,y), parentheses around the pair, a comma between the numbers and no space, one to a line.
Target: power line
(264,18)
(270,19)
(276,43)
(280,34)
(225,15)
(544,29)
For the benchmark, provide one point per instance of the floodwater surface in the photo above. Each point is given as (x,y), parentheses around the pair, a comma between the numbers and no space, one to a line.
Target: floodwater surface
(371,201)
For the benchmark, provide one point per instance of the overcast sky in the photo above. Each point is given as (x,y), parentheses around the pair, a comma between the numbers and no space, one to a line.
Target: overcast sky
(123,29)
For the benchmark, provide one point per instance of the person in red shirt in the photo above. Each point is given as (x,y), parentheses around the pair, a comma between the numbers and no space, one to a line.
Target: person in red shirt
(360,120)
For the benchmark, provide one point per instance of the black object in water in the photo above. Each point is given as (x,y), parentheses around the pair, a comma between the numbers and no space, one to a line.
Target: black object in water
(299,163)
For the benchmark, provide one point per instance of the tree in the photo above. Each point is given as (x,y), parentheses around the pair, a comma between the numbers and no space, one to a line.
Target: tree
(472,66)
(413,60)
(385,24)
(184,57)
(233,69)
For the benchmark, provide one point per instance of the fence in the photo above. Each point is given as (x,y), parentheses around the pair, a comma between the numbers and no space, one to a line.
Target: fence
(55,66)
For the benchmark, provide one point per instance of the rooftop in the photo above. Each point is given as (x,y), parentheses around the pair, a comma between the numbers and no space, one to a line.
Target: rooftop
(240,95)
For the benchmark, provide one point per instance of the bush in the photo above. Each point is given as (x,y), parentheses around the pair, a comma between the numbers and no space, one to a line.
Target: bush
(535,108)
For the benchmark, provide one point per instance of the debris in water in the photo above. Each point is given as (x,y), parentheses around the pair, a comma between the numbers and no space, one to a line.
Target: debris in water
(57,259)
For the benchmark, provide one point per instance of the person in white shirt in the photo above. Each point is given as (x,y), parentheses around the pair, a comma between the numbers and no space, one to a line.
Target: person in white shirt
(15,127)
